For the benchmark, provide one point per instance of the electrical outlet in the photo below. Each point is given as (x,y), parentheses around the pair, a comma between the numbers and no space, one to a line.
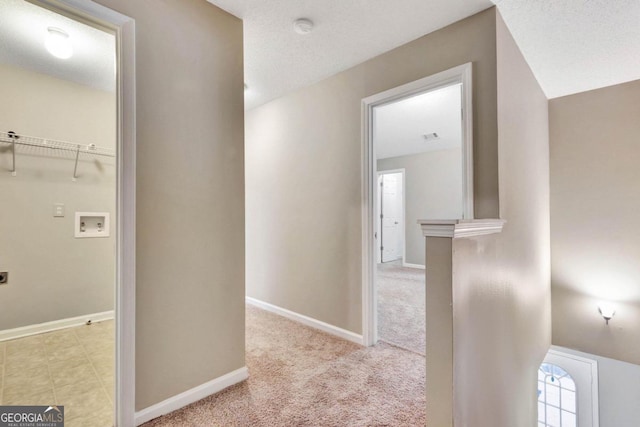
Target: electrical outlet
(4,277)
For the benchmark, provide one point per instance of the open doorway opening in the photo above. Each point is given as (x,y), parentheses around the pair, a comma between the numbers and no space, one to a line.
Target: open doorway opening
(67,210)
(417,166)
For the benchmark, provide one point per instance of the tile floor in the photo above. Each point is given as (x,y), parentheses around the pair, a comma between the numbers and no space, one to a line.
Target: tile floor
(72,367)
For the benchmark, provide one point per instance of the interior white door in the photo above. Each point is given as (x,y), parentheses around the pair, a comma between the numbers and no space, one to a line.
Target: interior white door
(391,217)
(567,391)
(378,220)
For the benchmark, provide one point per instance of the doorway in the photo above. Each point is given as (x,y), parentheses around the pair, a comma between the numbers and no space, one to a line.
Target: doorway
(75,172)
(423,128)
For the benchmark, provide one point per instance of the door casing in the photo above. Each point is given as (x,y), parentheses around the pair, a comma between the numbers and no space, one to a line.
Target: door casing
(461,74)
(92,13)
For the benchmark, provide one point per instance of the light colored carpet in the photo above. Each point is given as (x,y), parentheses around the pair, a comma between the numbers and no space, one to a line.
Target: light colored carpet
(302,377)
(401,306)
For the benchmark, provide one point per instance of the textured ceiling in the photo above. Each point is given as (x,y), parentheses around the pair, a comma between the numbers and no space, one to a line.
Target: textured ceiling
(399,127)
(23,28)
(346,33)
(571,45)
(576,45)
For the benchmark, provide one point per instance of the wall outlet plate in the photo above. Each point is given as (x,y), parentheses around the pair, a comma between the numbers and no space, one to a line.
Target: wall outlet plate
(4,277)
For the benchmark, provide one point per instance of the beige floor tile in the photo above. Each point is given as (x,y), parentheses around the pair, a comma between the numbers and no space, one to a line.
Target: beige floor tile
(92,334)
(18,351)
(105,365)
(74,367)
(110,388)
(17,362)
(71,372)
(28,397)
(65,354)
(100,348)
(83,400)
(60,339)
(36,378)
(23,344)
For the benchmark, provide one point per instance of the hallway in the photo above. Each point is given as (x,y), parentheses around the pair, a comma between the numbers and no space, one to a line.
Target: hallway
(299,376)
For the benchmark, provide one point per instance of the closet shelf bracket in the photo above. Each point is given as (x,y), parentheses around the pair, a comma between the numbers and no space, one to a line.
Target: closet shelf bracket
(13,137)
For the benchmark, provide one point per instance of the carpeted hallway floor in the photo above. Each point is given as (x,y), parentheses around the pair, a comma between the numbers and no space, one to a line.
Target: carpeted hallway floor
(401,306)
(302,377)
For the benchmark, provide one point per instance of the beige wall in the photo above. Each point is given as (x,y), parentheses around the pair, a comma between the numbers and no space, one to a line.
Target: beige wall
(52,275)
(304,201)
(595,200)
(433,190)
(502,318)
(190,195)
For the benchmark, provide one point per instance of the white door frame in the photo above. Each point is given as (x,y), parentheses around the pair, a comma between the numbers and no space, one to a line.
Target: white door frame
(404,210)
(124,29)
(460,74)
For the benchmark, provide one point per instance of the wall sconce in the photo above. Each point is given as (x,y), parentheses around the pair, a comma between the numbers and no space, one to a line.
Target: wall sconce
(607,311)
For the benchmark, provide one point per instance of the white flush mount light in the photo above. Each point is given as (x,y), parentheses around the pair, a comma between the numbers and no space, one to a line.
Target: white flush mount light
(607,311)
(58,43)
(303,26)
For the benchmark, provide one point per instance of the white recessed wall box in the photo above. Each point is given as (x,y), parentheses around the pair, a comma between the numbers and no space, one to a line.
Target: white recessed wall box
(91,224)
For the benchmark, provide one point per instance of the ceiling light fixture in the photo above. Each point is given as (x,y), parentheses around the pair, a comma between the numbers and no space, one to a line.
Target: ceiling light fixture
(303,26)
(58,43)
(607,311)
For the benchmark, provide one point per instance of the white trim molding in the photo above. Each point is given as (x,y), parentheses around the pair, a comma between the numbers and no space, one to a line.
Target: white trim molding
(460,228)
(410,265)
(558,355)
(461,74)
(55,325)
(190,396)
(307,321)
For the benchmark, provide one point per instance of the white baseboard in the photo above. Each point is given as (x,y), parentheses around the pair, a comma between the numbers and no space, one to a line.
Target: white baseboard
(190,396)
(308,321)
(41,328)
(409,265)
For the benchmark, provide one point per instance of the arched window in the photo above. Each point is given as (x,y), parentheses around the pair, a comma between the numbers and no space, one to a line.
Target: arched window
(556,397)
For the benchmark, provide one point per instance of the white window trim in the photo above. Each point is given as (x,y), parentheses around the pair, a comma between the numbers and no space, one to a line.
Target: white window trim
(595,406)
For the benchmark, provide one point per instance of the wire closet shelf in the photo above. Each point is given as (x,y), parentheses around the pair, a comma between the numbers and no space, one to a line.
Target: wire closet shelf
(37,145)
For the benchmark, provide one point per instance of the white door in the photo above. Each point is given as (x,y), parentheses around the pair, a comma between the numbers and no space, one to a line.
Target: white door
(391,217)
(567,391)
